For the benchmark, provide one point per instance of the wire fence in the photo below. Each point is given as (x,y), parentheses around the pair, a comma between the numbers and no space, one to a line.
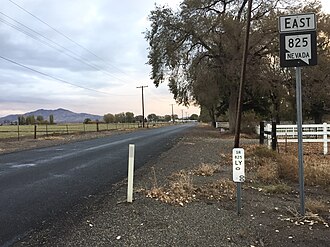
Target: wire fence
(42,130)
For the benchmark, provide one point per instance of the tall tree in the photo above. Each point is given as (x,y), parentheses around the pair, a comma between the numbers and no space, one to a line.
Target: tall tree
(120,117)
(129,116)
(201,44)
(109,118)
(316,79)
(152,117)
(51,119)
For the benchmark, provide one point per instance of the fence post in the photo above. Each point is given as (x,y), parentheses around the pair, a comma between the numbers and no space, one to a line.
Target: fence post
(35,131)
(274,139)
(97,126)
(18,130)
(262,133)
(269,136)
(325,138)
(67,129)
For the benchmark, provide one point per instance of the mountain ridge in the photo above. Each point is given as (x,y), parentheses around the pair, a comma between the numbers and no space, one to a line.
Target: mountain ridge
(60,116)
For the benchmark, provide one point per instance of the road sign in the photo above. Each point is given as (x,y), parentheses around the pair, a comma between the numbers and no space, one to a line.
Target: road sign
(238,165)
(298,49)
(298,40)
(297,23)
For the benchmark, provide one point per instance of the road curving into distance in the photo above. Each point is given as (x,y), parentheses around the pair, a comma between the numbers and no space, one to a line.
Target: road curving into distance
(39,184)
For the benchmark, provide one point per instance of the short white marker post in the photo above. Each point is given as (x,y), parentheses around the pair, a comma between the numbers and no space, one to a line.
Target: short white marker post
(238,174)
(130,172)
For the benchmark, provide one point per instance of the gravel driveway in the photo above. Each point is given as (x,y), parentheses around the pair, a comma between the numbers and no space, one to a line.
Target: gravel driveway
(107,220)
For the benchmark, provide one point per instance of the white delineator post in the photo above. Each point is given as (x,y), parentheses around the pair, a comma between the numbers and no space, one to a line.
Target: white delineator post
(130,172)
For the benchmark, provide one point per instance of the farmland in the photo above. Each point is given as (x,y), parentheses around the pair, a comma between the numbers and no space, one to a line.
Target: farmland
(35,131)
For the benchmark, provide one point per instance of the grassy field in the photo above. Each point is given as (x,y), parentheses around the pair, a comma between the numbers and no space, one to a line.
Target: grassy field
(14,131)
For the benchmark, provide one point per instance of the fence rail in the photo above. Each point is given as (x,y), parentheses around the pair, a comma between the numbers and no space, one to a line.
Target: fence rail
(312,133)
(35,131)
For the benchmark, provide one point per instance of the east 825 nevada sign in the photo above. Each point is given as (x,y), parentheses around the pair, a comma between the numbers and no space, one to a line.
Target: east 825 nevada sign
(298,40)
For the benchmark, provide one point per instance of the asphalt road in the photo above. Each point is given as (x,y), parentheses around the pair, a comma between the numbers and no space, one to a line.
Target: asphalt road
(39,184)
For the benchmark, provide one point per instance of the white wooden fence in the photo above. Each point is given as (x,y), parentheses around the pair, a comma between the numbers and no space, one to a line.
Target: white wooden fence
(311,133)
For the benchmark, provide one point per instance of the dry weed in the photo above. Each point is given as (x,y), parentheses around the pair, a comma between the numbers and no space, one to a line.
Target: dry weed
(206,170)
(181,190)
(317,206)
(218,190)
(280,188)
(269,166)
(317,170)
(310,218)
(268,171)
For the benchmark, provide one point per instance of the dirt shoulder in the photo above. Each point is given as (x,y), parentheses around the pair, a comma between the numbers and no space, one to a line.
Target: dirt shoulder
(176,204)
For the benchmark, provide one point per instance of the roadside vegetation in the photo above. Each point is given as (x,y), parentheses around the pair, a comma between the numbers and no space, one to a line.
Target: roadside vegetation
(268,172)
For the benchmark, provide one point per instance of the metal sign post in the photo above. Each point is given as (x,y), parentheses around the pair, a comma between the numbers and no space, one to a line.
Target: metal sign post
(297,49)
(300,141)
(238,174)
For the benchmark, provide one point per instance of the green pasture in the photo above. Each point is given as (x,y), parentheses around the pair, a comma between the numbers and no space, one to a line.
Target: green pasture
(14,131)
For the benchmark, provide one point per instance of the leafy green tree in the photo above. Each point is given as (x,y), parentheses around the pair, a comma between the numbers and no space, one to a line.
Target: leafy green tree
(129,116)
(109,118)
(198,50)
(193,117)
(51,119)
(139,118)
(167,118)
(40,119)
(316,79)
(120,117)
(21,120)
(152,117)
(30,120)
(87,120)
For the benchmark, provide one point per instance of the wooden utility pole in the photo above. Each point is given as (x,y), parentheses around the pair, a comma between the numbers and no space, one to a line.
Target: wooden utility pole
(242,79)
(172,113)
(240,98)
(142,105)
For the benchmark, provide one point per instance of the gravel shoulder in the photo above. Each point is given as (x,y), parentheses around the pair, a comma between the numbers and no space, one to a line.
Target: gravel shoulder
(107,220)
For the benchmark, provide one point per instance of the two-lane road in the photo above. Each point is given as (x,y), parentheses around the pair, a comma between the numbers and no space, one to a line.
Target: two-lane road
(39,184)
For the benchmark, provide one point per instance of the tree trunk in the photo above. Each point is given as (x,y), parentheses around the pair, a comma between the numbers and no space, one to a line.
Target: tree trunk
(212,115)
(318,118)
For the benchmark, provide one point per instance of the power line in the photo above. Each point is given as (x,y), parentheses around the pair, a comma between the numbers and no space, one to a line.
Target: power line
(56,78)
(65,36)
(48,42)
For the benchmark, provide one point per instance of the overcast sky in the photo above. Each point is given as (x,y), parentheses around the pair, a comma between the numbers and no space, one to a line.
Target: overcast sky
(104,53)
(97,50)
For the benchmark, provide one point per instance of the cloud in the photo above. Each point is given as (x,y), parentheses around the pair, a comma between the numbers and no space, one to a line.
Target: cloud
(104,52)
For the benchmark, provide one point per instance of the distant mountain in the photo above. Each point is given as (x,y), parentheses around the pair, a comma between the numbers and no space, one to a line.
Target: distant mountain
(60,116)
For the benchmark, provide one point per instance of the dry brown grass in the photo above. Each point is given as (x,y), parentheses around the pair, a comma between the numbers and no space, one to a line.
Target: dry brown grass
(268,172)
(206,170)
(217,190)
(317,206)
(181,189)
(281,188)
(270,166)
(317,170)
